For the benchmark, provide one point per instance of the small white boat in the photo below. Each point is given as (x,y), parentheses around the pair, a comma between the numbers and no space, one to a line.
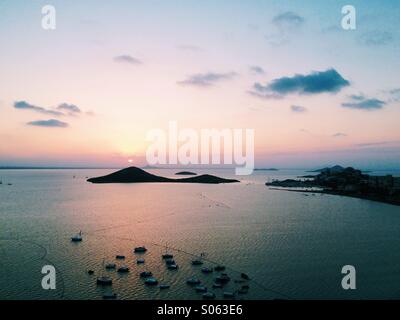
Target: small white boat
(172,267)
(77,237)
(140,261)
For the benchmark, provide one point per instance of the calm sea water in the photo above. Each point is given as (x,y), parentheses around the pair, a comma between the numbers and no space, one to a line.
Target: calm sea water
(290,244)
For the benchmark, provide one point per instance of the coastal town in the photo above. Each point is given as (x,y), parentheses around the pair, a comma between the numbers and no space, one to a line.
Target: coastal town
(347,181)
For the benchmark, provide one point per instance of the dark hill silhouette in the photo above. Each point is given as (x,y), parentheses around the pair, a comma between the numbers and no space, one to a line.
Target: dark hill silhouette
(185,173)
(134,175)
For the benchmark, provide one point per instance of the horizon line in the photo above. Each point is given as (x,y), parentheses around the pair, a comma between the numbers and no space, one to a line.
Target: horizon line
(171,168)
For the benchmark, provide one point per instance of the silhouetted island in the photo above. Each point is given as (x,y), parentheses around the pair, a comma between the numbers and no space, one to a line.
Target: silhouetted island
(347,182)
(135,175)
(185,173)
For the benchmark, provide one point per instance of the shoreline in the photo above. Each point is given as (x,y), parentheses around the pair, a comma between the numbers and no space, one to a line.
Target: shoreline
(337,193)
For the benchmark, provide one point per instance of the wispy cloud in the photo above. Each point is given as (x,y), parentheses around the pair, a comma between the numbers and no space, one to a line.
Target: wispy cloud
(377,144)
(394,95)
(51,123)
(69,108)
(298,109)
(188,47)
(357,97)
(252,26)
(63,109)
(207,79)
(23,105)
(329,81)
(125,58)
(363,103)
(376,38)
(331,29)
(288,19)
(339,135)
(284,26)
(256,70)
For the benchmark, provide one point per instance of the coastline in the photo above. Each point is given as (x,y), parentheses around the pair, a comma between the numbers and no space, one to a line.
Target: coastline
(339,193)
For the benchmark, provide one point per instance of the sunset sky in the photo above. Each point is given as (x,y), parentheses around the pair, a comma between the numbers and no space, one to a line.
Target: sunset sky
(86,93)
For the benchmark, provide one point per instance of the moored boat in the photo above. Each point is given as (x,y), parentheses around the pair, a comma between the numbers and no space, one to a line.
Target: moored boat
(109,296)
(145,274)
(206,270)
(140,249)
(77,237)
(201,289)
(172,267)
(208,296)
(193,281)
(110,266)
(123,269)
(169,262)
(223,278)
(105,281)
(228,294)
(219,268)
(151,281)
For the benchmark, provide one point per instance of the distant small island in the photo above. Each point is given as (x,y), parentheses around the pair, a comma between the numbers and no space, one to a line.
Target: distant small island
(347,182)
(137,175)
(266,169)
(185,173)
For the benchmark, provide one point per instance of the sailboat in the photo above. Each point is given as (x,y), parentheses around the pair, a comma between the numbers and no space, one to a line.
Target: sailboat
(77,238)
(170,265)
(198,262)
(166,255)
(104,280)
